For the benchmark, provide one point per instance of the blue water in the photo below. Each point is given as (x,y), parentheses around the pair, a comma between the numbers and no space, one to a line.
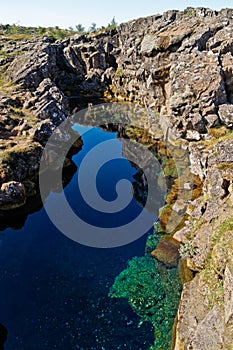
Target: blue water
(54,291)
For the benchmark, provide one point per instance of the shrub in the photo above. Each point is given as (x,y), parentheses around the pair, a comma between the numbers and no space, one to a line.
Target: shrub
(187,250)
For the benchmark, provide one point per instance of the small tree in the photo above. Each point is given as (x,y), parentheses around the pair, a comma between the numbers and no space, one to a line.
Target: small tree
(92,27)
(79,27)
(41,30)
(113,22)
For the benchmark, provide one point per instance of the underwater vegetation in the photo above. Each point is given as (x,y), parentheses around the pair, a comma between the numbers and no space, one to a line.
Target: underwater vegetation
(153,292)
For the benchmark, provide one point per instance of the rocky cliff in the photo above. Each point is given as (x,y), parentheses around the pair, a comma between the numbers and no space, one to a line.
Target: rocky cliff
(180,66)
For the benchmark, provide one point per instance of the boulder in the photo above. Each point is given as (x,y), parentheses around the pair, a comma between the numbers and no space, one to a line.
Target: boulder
(225,112)
(12,195)
(167,251)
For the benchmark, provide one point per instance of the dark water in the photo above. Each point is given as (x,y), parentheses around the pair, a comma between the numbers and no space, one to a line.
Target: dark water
(54,291)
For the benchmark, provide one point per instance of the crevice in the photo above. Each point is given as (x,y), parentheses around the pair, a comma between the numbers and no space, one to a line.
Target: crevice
(227,80)
(227,76)
(111,61)
(203,209)
(225,186)
(201,43)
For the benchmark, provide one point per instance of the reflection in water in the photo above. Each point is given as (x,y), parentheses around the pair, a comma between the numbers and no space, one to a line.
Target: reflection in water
(20,215)
(3,336)
(53,291)
(32,205)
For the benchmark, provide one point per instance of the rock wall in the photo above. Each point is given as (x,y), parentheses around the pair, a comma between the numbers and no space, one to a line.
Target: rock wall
(180,65)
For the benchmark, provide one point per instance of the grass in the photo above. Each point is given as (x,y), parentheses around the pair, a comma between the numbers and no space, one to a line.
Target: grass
(218,134)
(17,111)
(215,285)
(26,113)
(3,53)
(221,252)
(225,166)
(16,32)
(103,29)
(227,225)
(6,85)
(119,72)
(189,12)
(18,37)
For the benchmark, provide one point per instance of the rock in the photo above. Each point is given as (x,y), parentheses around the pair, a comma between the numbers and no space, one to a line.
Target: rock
(190,313)
(212,120)
(21,163)
(42,131)
(199,326)
(227,65)
(50,103)
(202,242)
(30,188)
(193,135)
(36,64)
(185,274)
(175,66)
(167,251)
(222,152)
(149,45)
(228,294)
(226,114)
(208,334)
(179,207)
(12,195)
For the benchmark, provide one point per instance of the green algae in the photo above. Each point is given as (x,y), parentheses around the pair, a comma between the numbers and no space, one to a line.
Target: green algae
(152,242)
(153,292)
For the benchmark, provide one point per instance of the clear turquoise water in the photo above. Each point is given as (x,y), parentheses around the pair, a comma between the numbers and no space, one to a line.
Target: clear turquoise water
(54,292)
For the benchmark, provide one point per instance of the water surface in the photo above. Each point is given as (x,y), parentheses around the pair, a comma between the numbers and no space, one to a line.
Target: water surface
(54,291)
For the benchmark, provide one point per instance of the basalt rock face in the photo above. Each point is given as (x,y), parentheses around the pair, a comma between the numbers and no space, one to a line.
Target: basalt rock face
(180,66)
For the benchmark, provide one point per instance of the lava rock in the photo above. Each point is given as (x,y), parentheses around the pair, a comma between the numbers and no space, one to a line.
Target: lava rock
(167,251)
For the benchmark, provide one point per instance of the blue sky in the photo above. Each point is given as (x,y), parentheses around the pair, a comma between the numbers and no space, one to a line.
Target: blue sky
(65,13)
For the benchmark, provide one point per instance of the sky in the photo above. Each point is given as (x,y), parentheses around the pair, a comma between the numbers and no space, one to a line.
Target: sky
(68,13)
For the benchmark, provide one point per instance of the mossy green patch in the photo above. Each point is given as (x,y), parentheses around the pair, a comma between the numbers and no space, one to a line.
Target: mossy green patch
(218,134)
(152,242)
(221,253)
(224,166)
(119,72)
(189,12)
(153,292)
(227,225)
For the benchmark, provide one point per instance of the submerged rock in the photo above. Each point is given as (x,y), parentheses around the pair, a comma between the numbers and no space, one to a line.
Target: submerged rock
(167,251)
